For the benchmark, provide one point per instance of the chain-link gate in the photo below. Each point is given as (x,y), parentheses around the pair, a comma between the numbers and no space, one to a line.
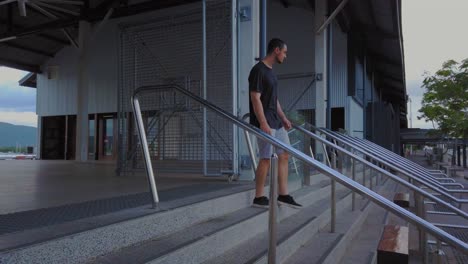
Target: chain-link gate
(168,50)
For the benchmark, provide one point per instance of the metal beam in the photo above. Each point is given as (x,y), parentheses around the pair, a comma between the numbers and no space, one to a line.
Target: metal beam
(371,32)
(332,16)
(380,58)
(70,38)
(56,8)
(389,77)
(28,49)
(41,10)
(42,35)
(95,15)
(53,39)
(68,2)
(20,66)
(55,24)
(22,7)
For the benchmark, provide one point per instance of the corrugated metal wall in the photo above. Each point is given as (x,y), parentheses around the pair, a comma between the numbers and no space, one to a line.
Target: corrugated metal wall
(359,79)
(58,96)
(295,75)
(354,118)
(339,69)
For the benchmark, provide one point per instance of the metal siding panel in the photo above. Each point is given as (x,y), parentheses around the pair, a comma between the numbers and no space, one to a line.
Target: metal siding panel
(359,80)
(301,54)
(58,96)
(103,71)
(339,74)
(355,116)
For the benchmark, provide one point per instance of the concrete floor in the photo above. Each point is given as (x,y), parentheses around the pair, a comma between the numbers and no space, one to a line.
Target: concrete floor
(33,184)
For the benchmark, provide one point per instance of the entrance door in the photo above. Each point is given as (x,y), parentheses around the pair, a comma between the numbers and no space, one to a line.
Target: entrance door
(107,137)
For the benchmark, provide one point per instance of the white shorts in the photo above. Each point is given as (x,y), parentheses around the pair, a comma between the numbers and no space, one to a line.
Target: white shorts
(265,149)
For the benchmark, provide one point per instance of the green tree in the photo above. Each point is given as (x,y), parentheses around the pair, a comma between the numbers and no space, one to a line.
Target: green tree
(445,101)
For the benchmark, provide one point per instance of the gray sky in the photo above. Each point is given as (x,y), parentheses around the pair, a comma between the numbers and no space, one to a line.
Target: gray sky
(17,104)
(433,31)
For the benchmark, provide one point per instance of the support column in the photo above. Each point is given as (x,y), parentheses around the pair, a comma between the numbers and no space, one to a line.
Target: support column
(248,45)
(464,155)
(82,93)
(321,50)
(263,28)
(39,137)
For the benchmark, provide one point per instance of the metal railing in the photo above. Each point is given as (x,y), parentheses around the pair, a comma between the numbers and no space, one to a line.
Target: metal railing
(399,161)
(334,175)
(395,166)
(382,171)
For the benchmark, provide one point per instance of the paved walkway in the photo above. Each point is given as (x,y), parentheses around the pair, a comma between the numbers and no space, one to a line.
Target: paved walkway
(35,184)
(452,255)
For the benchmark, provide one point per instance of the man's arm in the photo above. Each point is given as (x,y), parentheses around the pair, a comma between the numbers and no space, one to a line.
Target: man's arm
(284,119)
(258,109)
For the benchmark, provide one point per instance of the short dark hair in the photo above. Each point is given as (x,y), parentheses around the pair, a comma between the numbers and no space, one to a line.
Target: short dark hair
(275,43)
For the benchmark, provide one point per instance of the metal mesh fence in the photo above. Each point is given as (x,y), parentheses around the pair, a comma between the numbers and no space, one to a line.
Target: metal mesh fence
(168,50)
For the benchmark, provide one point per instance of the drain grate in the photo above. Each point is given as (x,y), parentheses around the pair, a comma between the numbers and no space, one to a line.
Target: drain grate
(21,221)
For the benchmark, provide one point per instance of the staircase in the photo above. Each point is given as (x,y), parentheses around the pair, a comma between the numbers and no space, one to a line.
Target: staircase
(222,227)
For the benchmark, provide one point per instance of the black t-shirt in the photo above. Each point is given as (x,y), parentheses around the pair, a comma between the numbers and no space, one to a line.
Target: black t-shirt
(262,79)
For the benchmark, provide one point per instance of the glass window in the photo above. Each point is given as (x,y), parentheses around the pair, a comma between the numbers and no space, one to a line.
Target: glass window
(91,135)
(108,136)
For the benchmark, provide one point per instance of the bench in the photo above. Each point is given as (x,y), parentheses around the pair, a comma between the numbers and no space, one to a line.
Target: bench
(402,199)
(393,246)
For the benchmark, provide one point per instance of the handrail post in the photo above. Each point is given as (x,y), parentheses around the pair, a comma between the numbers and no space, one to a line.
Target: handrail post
(353,175)
(439,252)
(146,153)
(249,145)
(334,175)
(419,203)
(333,196)
(272,215)
(251,152)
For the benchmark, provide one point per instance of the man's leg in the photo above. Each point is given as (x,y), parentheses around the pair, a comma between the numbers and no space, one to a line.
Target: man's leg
(260,176)
(283,173)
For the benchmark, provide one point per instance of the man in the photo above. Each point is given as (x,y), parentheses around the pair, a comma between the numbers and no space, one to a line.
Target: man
(266,114)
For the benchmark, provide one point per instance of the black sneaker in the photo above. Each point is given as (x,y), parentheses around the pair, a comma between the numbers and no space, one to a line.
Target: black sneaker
(287,200)
(261,202)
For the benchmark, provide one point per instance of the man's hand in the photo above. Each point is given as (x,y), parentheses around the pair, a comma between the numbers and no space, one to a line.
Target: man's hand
(286,123)
(265,128)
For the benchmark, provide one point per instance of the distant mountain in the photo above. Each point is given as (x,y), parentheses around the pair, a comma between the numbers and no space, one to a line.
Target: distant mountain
(11,134)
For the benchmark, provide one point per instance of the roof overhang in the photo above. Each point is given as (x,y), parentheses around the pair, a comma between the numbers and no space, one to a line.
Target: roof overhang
(30,80)
(27,42)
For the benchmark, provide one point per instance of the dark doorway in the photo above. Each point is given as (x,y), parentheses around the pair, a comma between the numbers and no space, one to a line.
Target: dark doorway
(337,118)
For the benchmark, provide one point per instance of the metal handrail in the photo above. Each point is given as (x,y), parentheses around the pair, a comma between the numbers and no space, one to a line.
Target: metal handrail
(374,148)
(414,166)
(443,191)
(334,175)
(384,172)
(391,157)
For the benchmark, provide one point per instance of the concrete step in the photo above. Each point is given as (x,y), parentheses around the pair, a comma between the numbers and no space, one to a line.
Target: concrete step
(326,247)
(364,247)
(199,242)
(292,232)
(83,240)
